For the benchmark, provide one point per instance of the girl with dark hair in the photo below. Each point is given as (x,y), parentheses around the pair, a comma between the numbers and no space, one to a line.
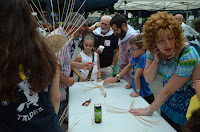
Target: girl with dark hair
(88,55)
(29,77)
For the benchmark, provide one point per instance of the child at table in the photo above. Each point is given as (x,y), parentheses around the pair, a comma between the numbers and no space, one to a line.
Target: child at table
(136,66)
(87,55)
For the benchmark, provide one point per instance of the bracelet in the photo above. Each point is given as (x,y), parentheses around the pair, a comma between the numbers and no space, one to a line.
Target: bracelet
(138,91)
(148,111)
(195,82)
(98,77)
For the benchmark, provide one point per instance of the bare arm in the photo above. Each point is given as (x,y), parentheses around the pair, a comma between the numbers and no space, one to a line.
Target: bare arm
(195,77)
(54,92)
(174,83)
(116,57)
(69,81)
(150,70)
(138,74)
(85,65)
(151,67)
(99,69)
(121,74)
(77,59)
(126,70)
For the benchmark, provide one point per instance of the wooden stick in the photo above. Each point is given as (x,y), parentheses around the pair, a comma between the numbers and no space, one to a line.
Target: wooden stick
(93,118)
(36,17)
(39,12)
(107,105)
(146,130)
(45,21)
(52,13)
(70,11)
(73,126)
(58,10)
(114,111)
(131,106)
(63,113)
(63,10)
(148,120)
(143,122)
(67,14)
(77,11)
(74,24)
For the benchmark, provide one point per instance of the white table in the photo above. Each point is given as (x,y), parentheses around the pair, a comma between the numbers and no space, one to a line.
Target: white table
(117,96)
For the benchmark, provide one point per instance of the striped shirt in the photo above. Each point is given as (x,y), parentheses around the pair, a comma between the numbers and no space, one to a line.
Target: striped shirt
(64,55)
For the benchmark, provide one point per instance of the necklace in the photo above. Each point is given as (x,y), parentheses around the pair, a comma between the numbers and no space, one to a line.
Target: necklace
(172,55)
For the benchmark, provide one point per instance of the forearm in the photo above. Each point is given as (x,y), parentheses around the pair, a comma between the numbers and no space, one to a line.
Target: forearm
(75,71)
(137,83)
(159,101)
(125,71)
(64,80)
(150,74)
(196,80)
(77,65)
(197,89)
(55,93)
(99,73)
(115,58)
(174,83)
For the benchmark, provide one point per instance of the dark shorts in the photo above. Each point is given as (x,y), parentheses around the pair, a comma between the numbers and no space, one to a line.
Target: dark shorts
(149,98)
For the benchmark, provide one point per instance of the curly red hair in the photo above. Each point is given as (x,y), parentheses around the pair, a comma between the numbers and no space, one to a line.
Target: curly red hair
(156,25)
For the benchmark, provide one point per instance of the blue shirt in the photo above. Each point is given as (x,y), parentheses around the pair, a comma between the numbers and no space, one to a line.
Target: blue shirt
(176,105)
(144,86)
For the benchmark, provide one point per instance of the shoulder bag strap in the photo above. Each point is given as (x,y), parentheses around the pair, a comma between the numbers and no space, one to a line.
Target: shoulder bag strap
(90,72)
(187,46)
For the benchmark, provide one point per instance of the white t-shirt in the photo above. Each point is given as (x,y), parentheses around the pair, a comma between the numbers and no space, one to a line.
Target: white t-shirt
(86,58)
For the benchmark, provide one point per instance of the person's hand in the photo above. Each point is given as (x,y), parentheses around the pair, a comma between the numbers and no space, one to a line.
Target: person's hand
(157,55)
(127,86)
(134,94)
(98,51)
(81,79)
(70,81)
(87,65)
(99,80)
(139,112)
(110,80)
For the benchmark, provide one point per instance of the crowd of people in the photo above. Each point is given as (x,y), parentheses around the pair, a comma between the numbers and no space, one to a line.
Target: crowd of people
(34,81)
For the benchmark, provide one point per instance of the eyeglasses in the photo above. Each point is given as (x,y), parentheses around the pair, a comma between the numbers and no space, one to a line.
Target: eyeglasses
(131,49)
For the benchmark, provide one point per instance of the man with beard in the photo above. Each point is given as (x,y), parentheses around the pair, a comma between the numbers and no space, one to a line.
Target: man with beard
(104,37)
(124,33)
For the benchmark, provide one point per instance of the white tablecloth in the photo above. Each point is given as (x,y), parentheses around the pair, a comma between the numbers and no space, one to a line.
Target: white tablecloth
(117,96)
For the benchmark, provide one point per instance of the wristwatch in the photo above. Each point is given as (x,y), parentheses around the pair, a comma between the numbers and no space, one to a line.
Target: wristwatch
(118,77)
(148,111)
(138,91)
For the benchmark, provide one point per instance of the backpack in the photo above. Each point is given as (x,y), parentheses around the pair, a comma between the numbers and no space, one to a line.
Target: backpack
(196,45)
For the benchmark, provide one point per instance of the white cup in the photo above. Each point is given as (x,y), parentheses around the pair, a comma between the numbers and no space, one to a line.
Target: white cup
(101,47)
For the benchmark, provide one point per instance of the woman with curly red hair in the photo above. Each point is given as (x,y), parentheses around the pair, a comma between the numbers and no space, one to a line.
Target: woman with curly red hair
(164,40)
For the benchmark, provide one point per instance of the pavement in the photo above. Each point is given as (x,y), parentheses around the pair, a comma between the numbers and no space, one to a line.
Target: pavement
(154,86)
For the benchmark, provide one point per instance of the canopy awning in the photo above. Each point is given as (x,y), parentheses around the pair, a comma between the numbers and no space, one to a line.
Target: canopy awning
(157,5)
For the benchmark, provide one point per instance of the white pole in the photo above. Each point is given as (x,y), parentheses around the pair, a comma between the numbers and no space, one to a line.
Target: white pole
(186,19)
(125,7)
